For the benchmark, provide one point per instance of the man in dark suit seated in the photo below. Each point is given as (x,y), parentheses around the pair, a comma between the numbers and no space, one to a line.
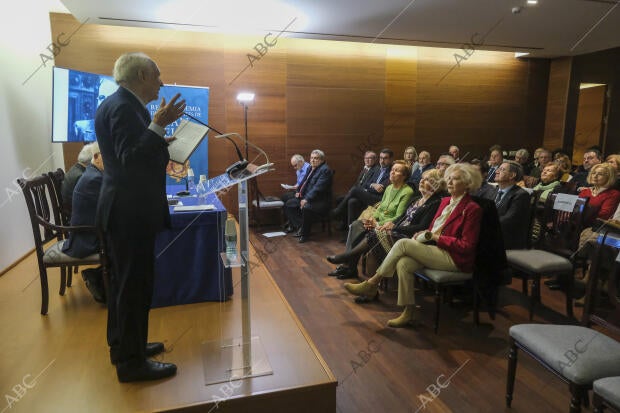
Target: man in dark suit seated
(313,198)
(83,244)
(72,176)
(133,208)
(368,171)
(362,196)
(513,205)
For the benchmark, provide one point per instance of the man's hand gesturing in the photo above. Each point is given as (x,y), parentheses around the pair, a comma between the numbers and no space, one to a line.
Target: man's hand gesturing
(169,112)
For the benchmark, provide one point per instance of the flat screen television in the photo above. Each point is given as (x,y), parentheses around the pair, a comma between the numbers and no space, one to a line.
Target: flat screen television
(76,97)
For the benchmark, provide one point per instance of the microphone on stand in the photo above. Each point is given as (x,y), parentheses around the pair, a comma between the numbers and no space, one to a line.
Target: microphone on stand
(238,166)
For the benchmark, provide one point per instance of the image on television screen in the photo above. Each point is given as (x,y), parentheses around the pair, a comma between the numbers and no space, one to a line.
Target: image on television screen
(77,95)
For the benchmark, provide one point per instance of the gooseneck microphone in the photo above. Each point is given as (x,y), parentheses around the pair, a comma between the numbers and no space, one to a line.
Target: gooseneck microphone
(241,164)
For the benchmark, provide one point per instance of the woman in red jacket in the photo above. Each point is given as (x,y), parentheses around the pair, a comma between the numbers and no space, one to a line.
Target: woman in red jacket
(454,231)
(602,197)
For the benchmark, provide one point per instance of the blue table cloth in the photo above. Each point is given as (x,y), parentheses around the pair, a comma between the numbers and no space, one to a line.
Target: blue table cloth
(188,268)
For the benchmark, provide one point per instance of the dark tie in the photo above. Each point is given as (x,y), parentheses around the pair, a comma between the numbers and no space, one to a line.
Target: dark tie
(498,197)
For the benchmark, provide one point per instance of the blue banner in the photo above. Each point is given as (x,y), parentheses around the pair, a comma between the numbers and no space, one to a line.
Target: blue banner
(197,100)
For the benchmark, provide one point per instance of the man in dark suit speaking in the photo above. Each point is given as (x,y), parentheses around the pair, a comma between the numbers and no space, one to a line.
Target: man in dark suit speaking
(132,208)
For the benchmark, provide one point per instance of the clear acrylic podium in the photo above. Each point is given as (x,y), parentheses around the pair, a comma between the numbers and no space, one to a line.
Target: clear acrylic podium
(231,359)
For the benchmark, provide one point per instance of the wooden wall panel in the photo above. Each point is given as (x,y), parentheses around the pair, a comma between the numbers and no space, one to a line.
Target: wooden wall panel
(341,97)
(557,98)
(589,120)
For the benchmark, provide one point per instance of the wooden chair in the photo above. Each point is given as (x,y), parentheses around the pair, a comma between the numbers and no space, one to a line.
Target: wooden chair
(578,355)
(606,394)
(553,253)
(47,228)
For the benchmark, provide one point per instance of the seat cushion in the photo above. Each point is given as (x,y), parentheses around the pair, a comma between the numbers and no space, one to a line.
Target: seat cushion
(269,204)
(54,255)
(580,354)
(538,261)
(441,277)
(609,389)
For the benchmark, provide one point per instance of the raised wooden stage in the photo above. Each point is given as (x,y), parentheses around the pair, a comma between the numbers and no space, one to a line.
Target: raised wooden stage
(60,362)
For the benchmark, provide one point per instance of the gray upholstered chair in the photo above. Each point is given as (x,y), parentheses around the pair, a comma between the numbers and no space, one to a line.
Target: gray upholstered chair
(553,253)
(261,203)
(606,394)
(579,355)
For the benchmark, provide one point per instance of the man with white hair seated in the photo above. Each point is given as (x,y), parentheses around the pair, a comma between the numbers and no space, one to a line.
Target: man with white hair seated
(83,244)
(72,176)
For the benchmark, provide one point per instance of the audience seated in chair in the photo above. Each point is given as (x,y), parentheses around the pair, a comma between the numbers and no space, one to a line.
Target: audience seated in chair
(360,197)
(301,168)
(549,181)
(486,190)
(313,198)
(590,158)
(83,244)
(454,231)
(364,179)
(513,205)
(72,176)
(379,241)
(424,164)
(394,203)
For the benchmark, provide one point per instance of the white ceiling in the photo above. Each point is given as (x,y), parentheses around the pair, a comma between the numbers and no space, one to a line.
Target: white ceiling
(549,29)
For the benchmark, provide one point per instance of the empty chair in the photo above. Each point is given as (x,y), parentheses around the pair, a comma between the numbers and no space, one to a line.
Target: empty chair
(578,355)
(606,394)
(553,252)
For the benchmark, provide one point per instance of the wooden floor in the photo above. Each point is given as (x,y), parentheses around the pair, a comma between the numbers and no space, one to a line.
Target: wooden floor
(380,369)
(60,362)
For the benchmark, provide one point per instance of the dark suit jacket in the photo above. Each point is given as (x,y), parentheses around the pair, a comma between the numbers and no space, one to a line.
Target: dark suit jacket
(68,184)
(85,197)
(135,159)
(364,176)
(459,236)
(318,188)
(421,218)
(416,177)
(487,191)
(491,262)
(372,179)
(514,213)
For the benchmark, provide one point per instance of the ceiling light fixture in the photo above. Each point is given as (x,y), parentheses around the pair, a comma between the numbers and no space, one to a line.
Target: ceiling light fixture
(532,2)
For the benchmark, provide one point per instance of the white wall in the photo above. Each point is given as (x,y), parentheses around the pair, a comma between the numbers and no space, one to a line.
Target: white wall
(25,117)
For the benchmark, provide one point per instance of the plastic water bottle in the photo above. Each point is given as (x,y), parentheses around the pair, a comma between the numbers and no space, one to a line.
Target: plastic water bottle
(230,236)
(201,190)
(191,185)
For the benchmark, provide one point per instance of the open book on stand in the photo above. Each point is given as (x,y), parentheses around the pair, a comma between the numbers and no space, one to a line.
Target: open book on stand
(188,136)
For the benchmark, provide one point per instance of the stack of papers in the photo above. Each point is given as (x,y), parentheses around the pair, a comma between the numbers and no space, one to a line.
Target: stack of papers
(181,208)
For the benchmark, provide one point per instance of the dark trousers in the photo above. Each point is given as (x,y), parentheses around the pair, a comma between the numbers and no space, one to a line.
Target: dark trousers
(304,218)
(356,200)
(132,261)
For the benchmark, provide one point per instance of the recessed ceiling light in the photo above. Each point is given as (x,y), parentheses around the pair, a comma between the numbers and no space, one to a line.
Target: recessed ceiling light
(532,1)
(521,54)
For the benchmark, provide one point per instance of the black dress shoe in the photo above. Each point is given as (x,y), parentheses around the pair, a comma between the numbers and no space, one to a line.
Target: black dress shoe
(350,273)
(147,370)
(153,349)
(94,283)
(341,269)
(335,260)
(290,229)
(303,238)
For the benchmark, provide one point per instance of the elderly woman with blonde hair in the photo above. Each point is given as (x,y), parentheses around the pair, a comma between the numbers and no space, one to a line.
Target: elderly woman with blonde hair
(448,244)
